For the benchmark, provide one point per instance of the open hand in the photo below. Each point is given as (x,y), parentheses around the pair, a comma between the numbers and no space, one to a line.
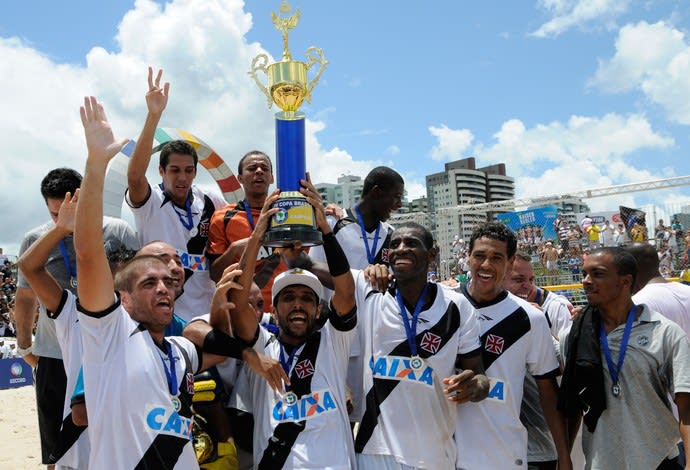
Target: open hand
(157,97)
(99,136)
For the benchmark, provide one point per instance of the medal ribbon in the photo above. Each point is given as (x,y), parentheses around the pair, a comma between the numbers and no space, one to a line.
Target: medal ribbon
(250,217)
(189,223)
(170,372)
(287,360)
(411,327)
(614,370)
(371,254)
(72,270)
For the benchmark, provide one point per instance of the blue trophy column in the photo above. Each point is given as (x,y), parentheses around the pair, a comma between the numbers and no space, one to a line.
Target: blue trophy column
(294,220)
(291,157)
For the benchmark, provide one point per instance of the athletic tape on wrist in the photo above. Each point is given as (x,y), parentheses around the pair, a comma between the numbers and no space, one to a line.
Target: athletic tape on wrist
(335,256)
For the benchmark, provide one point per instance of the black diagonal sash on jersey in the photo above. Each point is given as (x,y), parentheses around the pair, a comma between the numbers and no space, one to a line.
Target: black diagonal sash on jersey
(165,450)
(446,328)
(69,434)
(285,434)
(509,330)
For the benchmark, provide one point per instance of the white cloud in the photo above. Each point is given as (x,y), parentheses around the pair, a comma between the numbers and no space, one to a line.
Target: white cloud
(325,165)
(654,58)
(393,150)
(202,48)
(599,140)
(414,189)
(585,152)
(567,14)
(451,143)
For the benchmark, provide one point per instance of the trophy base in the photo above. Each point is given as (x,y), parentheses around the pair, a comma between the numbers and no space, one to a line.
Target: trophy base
(286,236)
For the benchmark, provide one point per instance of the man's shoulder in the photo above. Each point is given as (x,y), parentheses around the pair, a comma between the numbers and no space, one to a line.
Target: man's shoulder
(38,230)
(213,194)
(115,224)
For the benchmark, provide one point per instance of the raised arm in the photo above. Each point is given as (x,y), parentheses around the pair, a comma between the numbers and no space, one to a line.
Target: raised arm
(244,321)
(343,300)
(95,282)
(156,101)
(32,262)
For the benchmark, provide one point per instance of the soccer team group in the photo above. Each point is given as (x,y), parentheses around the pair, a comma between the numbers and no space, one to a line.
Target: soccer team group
(342,355)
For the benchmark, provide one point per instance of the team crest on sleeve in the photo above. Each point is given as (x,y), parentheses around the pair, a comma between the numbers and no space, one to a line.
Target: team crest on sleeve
(494,344)
(203,227)
(384,255)
(190,383)
(304,369)
(430,342)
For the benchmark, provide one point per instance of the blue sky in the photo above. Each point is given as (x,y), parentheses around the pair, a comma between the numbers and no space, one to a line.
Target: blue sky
(570,94)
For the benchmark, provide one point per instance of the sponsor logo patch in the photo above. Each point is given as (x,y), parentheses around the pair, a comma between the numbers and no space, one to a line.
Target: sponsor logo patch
(165,420)
(399,368)
(305,407)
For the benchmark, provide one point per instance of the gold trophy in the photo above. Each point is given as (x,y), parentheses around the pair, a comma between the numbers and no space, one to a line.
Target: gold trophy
(288,86)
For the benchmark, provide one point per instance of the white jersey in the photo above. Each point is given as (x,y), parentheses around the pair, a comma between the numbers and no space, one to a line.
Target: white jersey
(349,234)
(540,445)
(671,299)
(407,415)
(314,431)
(74,447)
(133,421)
(515,340)
(555,307)
(159,219)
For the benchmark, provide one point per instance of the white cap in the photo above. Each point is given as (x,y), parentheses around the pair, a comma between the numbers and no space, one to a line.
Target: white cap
(297,277)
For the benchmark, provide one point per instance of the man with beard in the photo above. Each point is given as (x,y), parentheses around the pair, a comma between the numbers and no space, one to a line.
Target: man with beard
(291,428)
(174,211)
(621,362)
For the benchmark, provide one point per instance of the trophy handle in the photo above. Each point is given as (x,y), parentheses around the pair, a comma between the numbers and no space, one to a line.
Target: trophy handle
(259,63)
(315,55)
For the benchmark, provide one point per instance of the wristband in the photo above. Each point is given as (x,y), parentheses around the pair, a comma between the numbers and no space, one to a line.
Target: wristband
(217,342)
(21,352)
(335,256)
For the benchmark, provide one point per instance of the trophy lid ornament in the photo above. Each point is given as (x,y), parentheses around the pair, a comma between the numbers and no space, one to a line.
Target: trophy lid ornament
(288,83)
(284,25)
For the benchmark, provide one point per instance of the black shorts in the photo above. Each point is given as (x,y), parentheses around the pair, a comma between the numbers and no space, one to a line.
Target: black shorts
(51,383)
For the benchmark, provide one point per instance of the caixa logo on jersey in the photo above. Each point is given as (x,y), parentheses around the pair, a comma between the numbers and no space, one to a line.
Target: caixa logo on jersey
(498,389)
(399,368)
(305,407)
(168,421)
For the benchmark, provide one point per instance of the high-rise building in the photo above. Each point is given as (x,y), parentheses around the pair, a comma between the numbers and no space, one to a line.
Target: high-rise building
(345,193)
(462,182)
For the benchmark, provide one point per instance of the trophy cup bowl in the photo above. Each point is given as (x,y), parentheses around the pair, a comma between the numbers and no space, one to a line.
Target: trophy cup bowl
(288,84)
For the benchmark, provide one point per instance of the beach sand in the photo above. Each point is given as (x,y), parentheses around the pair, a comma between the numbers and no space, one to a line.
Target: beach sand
(19,429)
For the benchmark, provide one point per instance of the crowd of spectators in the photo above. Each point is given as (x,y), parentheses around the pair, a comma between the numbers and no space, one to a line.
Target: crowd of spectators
(558,260)
(8,286)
